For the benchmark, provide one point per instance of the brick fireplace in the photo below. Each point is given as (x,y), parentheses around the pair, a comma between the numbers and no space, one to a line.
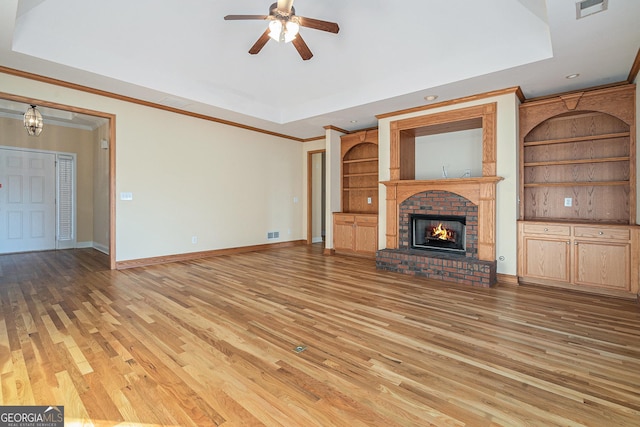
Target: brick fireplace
(470,198)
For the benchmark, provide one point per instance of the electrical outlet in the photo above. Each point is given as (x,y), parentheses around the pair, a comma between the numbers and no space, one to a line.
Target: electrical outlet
(194,239)
(368,200)
(568,202)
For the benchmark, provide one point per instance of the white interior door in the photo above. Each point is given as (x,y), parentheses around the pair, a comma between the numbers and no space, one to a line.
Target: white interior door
(27,201)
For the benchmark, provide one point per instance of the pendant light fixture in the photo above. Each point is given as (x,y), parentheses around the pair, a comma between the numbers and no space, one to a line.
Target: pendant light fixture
(33,121)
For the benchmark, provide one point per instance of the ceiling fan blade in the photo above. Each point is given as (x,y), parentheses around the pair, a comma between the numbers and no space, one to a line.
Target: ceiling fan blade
(285,5)
(259,44)
(318,24)
(242,17)
(302,47)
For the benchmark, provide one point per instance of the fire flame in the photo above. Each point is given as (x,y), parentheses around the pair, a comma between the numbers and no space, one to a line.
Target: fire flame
(442,233)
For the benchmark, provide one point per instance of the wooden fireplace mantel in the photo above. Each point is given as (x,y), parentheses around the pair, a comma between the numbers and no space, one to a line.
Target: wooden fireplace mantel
(480,191)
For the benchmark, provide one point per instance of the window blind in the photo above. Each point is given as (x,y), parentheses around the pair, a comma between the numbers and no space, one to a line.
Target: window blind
(65,198)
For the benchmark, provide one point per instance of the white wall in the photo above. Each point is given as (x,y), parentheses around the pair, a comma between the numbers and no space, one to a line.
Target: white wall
(453,152)
(190,177)
(333,180)
(101,190)
(507,167)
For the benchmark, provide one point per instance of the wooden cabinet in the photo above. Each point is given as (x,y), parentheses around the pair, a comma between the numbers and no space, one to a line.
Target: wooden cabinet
(590,258)
(546,252)
(355,229)
(355,233)
(578,191)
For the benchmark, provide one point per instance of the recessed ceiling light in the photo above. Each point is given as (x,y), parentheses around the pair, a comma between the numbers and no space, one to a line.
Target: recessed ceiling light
(572,76)
(431,97)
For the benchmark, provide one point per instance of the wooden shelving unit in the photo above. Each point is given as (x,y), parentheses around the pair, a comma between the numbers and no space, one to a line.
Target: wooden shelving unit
(584,156)
(578,192)
(356,227)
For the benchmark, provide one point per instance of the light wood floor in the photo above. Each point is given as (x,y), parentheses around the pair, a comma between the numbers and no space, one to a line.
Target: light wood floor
(212,342)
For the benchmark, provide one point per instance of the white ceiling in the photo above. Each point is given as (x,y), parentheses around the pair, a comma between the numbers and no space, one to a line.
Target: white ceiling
(387,56)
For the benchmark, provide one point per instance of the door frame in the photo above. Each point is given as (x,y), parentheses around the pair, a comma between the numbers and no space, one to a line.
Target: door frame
(112,157)
(310,193)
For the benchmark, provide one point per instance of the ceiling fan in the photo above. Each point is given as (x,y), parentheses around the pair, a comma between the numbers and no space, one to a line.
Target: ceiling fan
(284,27)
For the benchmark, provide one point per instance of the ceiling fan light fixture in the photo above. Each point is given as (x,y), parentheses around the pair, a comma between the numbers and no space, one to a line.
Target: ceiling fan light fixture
(293,28)
(33,121)
(281,31)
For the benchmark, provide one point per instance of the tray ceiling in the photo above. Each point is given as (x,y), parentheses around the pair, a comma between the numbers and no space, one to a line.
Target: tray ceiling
(183,54)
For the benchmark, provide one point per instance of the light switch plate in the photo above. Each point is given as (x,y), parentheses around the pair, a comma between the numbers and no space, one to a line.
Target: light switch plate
(126,196)
(568,202)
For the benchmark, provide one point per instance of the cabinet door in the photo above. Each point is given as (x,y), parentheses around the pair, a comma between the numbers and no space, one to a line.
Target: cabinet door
(602,264)
(366,238)
(547,258)
(343,236)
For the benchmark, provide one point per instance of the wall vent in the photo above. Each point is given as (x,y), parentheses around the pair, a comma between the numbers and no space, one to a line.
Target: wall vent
(273,235)
(585,8)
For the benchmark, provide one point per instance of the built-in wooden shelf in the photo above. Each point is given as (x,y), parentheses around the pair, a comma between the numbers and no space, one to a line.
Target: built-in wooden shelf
(577,184)
(347,175)
(578,161)
(368,159)
(361,189)
(577,139)
(359,154)
(355,229)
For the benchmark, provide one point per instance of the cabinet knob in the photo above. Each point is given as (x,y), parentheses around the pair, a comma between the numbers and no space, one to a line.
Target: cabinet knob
(601,232)
(576,243)
(568,242)
(546,229)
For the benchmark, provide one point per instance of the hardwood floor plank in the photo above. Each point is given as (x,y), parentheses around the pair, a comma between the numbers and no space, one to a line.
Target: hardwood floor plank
(211,342)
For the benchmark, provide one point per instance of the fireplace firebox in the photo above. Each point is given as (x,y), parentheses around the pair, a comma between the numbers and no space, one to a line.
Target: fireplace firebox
(438,232)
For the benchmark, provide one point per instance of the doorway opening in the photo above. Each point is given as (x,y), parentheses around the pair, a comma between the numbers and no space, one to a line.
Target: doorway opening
(316,197)
(85,137)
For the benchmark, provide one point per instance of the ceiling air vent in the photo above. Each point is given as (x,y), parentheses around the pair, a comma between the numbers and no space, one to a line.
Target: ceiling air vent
(585,8)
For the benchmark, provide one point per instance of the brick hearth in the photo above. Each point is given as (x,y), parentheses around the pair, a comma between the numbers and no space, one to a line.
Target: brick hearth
(438,265)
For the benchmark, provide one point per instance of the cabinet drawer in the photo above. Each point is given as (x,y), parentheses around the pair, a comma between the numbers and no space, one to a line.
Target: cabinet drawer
(547,229)
(344,218)
(602,233)
(367,220)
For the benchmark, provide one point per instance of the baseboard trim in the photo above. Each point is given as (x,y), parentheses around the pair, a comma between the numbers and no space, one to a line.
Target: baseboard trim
(507,279)
(102,248)
(143,262)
